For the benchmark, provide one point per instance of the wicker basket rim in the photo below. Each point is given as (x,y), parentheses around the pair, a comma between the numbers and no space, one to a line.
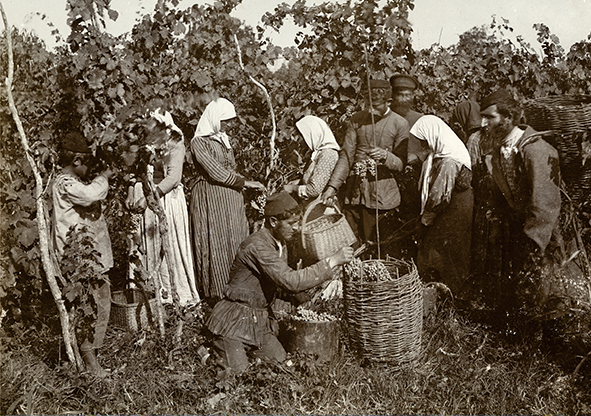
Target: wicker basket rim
(412,271)
(561,100)
(309,209)
(129,305)
(391,262)
(322,223)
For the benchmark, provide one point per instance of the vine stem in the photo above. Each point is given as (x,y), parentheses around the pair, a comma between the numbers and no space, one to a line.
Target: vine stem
(50,268)
(268,97)
(154,204)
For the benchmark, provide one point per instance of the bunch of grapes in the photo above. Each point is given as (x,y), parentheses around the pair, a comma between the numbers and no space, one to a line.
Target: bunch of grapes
(373,271)
(353,268)
(136,223)
(259,202)
(303,314)
(365,167)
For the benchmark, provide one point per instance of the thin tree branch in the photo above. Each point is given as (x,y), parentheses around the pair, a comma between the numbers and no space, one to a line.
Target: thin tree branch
(274,154)
(48,265)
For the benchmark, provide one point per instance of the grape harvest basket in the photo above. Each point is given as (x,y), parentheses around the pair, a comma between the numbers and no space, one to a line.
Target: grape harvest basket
(384,310)
(132,308)
(566,122)
(565,114)
(325,235)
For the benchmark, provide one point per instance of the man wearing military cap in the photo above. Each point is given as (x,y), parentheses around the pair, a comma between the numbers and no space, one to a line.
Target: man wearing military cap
(260,272)
(374,149)
(403,97)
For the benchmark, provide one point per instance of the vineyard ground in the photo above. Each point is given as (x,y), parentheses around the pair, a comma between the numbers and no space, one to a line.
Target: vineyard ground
(464,368)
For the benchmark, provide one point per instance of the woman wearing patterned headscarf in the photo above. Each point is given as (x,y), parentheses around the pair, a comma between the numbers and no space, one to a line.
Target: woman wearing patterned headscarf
(218,217)
(446,205)
(325,154)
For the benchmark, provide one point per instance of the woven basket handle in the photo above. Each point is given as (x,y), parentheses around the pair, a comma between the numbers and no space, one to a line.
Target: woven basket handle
(309,209)
(146,300)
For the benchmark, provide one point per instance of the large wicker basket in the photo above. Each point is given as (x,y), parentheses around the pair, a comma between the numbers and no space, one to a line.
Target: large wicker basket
(128,309)
(385,318)
(567,120)
(565,114)
(326,234)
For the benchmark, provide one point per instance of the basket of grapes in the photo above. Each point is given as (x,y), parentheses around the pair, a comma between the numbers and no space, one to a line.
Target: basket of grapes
(384,309)
(311,332)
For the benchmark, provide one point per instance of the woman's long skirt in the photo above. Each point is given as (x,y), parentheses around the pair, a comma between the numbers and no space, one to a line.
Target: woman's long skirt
(219,225)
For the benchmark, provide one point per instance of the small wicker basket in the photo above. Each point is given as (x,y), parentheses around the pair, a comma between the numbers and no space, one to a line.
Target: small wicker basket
(325,235)
(128,309)
(385,318)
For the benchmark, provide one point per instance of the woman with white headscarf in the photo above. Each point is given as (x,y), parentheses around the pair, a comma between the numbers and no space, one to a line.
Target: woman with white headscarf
(325,154)
(446,205)
(168,140)
(218,217)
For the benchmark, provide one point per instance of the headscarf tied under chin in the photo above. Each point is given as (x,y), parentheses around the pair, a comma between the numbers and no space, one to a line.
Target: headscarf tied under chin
(442,142)
(317,135)
(210,121)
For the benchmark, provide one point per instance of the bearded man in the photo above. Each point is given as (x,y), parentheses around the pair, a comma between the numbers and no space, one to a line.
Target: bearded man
(524,203)
(404,87)
(403,97)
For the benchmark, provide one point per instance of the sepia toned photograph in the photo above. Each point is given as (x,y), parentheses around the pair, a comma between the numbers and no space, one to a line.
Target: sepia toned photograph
(338,207)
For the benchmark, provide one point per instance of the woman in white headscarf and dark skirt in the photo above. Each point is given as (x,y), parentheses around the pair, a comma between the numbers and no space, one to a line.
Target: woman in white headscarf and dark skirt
(447,203)
(218,217)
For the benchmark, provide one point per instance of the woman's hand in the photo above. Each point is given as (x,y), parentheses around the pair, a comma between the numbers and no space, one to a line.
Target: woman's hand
(140,205)
(290,188)
(328,196)
(344,255)
(378,154)
(254,185)
(129,199)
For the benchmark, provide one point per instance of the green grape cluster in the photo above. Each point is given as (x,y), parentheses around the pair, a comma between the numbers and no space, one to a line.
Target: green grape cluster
(365,167)
(303,314)
(372,271)
(259,203)
(136,223)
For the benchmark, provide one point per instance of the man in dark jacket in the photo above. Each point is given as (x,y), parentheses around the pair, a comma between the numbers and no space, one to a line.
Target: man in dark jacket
(403,97)
(240,321)
(526,175)
(404,87)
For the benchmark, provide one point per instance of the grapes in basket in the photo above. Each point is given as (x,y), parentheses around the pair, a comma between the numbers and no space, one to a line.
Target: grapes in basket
(370,271)
(307,315)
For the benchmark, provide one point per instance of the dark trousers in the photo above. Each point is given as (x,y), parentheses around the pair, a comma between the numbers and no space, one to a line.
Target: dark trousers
(233,352)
